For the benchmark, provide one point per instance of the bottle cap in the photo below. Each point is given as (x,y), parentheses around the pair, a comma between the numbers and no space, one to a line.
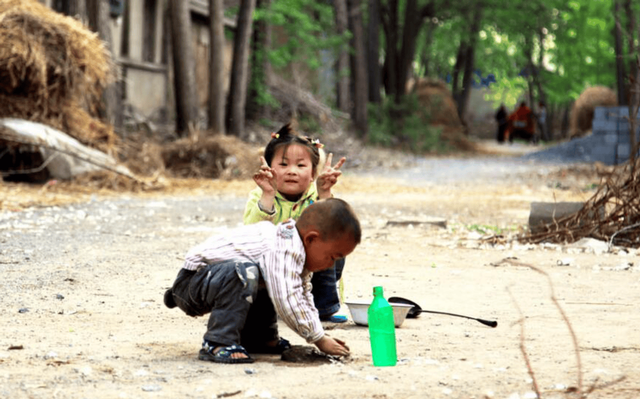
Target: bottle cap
(377,290)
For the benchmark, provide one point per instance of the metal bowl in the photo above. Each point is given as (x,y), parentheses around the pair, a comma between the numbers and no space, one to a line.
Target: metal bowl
(358,310)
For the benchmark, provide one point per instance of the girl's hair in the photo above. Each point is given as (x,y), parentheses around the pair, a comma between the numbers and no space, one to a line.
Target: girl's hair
(285,137)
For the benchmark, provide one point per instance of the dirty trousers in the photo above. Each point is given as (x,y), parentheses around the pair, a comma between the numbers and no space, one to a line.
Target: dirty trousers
(241,311)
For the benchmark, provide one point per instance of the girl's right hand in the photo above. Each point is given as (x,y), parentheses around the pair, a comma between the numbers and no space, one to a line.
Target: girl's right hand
(265,178)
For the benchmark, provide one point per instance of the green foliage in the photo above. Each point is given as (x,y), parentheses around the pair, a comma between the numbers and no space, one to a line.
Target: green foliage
(309,124)
(578,47)
(302,29)
(404,125)
(488,229)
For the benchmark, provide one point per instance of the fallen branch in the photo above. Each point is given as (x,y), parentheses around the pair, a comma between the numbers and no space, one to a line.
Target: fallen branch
(32,133)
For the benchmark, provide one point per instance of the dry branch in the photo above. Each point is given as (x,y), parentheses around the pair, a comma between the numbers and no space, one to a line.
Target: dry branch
(612,214)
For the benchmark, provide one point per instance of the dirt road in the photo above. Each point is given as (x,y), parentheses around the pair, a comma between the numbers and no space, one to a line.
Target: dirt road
(83,282)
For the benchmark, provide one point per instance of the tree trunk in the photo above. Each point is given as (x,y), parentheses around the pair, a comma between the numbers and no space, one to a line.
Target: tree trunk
(564,125)
(72,8)
(469,61)
(360,71)
(97,12)
(342,65)
(183,66)
(260,67)
(620,73)
(542,97)
(633,66)
(216,66)
(410,33)
(456,91)
(425,59)
(389,18)
(240,70)
(373,52)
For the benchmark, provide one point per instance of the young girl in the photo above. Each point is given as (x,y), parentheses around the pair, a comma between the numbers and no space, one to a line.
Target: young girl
(290,166)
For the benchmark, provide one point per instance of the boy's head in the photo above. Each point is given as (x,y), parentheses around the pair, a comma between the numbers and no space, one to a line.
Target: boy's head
(330,230)
(287,136)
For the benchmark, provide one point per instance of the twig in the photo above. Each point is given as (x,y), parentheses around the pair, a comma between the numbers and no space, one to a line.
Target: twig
(574,339)
(522,346)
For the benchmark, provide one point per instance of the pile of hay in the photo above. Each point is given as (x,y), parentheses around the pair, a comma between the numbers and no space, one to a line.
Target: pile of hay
(583,108)
(53,71)
(436,99)
(209,157)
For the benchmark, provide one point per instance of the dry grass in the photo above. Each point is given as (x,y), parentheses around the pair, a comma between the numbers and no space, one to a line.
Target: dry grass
(53,70)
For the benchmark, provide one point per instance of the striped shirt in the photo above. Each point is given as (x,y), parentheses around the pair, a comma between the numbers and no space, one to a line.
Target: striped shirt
(279,252)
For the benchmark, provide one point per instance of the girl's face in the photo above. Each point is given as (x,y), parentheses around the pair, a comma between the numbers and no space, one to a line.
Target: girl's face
(294,170)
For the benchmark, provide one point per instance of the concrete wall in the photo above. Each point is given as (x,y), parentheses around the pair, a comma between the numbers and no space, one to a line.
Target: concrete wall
(609,142)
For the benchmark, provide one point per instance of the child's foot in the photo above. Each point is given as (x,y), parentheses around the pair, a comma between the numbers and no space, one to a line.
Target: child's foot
(224,354)
(334,318)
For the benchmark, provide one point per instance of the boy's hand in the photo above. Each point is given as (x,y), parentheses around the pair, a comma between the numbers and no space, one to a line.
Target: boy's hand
(329,177)
(265,178)
(333,346)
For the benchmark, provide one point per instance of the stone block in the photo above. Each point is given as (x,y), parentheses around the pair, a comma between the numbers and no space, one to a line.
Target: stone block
(544,213)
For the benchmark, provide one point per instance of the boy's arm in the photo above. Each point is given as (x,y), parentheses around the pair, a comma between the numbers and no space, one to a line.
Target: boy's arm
(288,288)
(253,212)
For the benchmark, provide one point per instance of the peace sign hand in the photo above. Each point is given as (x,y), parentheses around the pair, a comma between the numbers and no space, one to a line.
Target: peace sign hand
(329,176)
(265,178)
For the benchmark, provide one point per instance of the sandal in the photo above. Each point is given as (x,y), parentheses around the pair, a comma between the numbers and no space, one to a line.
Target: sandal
(224,355)
(281,346)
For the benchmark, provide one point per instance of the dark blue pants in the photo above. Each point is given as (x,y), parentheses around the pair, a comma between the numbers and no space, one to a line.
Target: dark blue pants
(325,289)
(241,311)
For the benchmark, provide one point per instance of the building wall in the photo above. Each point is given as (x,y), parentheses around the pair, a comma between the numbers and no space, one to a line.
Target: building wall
(147,85)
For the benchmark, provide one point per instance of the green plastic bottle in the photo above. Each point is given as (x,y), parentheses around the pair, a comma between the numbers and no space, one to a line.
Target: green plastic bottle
(382,330)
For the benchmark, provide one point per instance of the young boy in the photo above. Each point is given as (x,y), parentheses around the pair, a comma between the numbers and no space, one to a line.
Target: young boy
(250,275)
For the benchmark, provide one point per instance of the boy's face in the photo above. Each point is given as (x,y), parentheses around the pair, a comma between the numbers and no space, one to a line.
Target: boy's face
(322,254)
(294,170)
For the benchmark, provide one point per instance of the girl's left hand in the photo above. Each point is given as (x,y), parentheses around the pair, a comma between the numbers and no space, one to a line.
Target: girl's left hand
(329,176)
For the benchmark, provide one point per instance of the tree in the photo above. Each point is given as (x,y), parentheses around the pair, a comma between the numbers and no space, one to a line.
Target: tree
(620,69)
(183,66)
(467,49)
(373,52)
(260,66)
(216,66)
(97,14)
(342,65)
(400,42)
(239,69)
(360,70)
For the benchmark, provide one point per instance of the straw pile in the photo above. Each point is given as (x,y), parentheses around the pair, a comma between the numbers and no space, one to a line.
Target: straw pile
(53,71)
(612,214)
(436,99)
(583,108)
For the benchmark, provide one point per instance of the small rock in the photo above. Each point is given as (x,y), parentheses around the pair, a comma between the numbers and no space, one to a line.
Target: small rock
(151,388)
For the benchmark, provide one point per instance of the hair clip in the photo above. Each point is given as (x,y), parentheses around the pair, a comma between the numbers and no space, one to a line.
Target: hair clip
(315,142)
(275,135)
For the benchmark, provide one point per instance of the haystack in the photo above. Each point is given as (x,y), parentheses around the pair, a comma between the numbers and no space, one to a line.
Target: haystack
(583,108)
(213,157)
(436,99)
(53,71)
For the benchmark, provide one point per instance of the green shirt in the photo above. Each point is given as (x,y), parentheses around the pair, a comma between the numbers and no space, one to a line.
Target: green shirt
(284,208)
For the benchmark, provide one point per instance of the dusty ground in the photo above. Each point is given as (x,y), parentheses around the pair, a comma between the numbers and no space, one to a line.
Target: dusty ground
(84,273)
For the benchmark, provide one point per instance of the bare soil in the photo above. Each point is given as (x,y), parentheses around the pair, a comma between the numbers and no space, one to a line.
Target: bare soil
(84,272)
